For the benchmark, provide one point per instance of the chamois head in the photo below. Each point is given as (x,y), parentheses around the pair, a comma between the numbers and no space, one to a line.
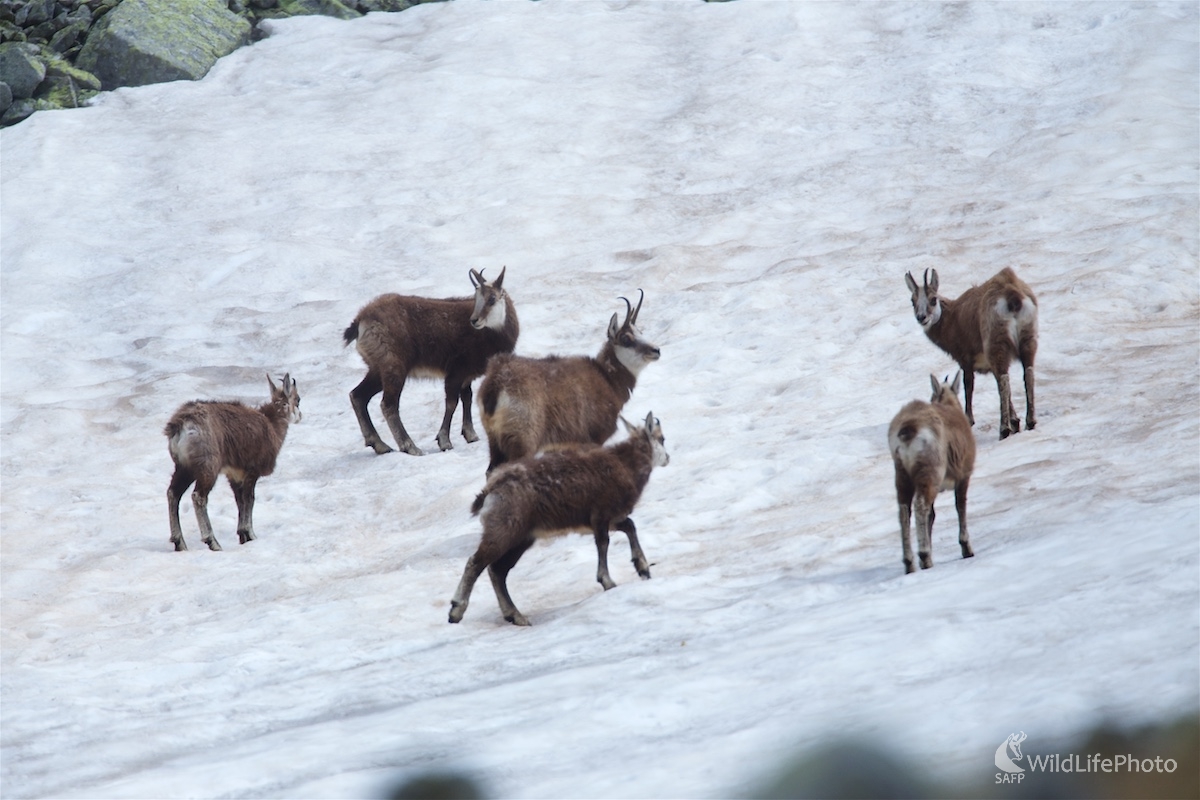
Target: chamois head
(631,349)
(925,299)
(945,392)
(285,397)
(490,308)
(652,432)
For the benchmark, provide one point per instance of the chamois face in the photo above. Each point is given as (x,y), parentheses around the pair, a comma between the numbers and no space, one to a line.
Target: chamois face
(631,349)
(652,432)
(286,396)
(926,306)
(490,309)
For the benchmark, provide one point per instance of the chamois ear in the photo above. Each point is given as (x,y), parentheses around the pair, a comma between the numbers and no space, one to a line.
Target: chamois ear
(271,383)
(935,383)
(933,281)
(912,284)
(957,382)
(499,281)
(650,421)
(613,327)
(476,278)
(629,427)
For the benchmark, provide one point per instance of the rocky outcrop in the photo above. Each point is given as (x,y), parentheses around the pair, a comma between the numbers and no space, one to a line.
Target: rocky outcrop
(60,53)
(152,41)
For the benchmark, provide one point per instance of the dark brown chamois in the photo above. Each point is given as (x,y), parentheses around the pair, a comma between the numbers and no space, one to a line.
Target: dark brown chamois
(529,403)
(207,438)
(984,330)
(933,450)
(562,490)
(401,337)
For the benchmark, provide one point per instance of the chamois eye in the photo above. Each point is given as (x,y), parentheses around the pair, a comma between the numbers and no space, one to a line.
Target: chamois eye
(933,301)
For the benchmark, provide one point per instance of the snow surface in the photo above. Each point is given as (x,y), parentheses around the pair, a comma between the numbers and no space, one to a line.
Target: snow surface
(766,172)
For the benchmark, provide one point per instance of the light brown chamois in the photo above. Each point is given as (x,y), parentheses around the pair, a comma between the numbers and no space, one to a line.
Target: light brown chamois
(529,403)
(207,438)
(562,490)
(401,337)
(984,330)
(932,449)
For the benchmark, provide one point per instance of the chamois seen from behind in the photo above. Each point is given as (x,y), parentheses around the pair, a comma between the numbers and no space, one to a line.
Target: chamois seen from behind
(401,336)
(529,403)
(933,449)
(582,487)
(207,439)
(984,330)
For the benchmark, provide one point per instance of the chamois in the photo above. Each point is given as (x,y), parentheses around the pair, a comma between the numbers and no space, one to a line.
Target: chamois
(401,336)
(932,449)
(558,491)
(207,438)
(983,330)
(528,403)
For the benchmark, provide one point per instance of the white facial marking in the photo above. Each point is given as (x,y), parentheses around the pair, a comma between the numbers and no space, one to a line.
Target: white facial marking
(661,458)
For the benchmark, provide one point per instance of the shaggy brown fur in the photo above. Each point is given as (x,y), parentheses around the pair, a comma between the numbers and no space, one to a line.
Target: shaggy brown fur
(567,489)
(984,330)
(401,337)
(528,403)
(932,449)
(208,438)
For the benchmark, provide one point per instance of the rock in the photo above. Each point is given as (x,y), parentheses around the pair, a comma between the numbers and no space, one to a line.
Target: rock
(20,68)
(67,37)
(19,110)
(6,97)
(366,6)
(151,41)
(328,8)
(9,32)
(34,12)
(61,68)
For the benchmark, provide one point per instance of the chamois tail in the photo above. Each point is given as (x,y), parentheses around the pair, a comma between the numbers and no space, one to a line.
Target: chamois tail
(351,333)
(478,504)
(1015,301)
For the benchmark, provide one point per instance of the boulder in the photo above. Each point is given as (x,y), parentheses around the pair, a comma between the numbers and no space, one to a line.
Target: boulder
(384,5)
(151,41)
(6,97)
(328,8)
(20,68)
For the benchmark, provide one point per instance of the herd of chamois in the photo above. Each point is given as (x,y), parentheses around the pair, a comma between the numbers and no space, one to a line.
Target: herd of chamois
(547,420)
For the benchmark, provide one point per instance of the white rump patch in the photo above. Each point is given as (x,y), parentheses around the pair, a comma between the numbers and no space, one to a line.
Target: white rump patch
(924,442)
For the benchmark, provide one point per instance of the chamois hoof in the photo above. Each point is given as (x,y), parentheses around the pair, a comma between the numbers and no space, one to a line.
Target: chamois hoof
(213,544)
(967,551)
(180,545)
(1030,424)
(926,561)
(412,449)
(456,612)
(518,619)
(909,568)
(470,436)
(246,536)
(445,444)
(379,447)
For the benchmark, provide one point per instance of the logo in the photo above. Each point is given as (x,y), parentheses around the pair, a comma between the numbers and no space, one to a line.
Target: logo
(1012,743)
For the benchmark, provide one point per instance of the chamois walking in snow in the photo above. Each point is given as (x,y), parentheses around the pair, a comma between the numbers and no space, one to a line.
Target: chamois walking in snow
(208,438)
(984,330)
(558,491)
(528,403)
(401,336)
(932,449)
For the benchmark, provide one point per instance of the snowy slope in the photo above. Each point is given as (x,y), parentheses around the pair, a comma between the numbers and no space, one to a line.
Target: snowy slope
(766,172)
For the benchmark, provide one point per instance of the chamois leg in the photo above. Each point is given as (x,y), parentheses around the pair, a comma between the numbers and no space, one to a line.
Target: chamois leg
(1009,424)
(923,511)
(639,558)
(392,387)
(904,496)
(960,505)
(498,572)
(968,390)
(204,485)
(491,548)
(453,390)
(600,533)
(1028,351)
(180,482)
(243,493)
(360,396)
(468,427)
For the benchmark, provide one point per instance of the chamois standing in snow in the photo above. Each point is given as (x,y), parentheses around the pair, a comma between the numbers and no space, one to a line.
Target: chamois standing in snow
(401,336)
(528,403)
(207,438)
(932,449)
(558,491)
(983,330)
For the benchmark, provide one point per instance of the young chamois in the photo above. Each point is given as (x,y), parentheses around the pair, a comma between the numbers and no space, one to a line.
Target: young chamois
(401,337)
(528,403)
(932,449)
(208,438)
(984,330)
(558,491)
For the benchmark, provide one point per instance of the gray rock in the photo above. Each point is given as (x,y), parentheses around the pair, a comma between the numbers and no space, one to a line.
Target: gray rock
(6,97)
(35,12)
(19,110)
(383,5)
(20,68)
(151,41)
(328,8)
(66,38)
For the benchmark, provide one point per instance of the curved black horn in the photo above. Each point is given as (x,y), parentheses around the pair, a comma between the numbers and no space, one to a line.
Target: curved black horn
(638,310)
(628,311)
(926,279)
